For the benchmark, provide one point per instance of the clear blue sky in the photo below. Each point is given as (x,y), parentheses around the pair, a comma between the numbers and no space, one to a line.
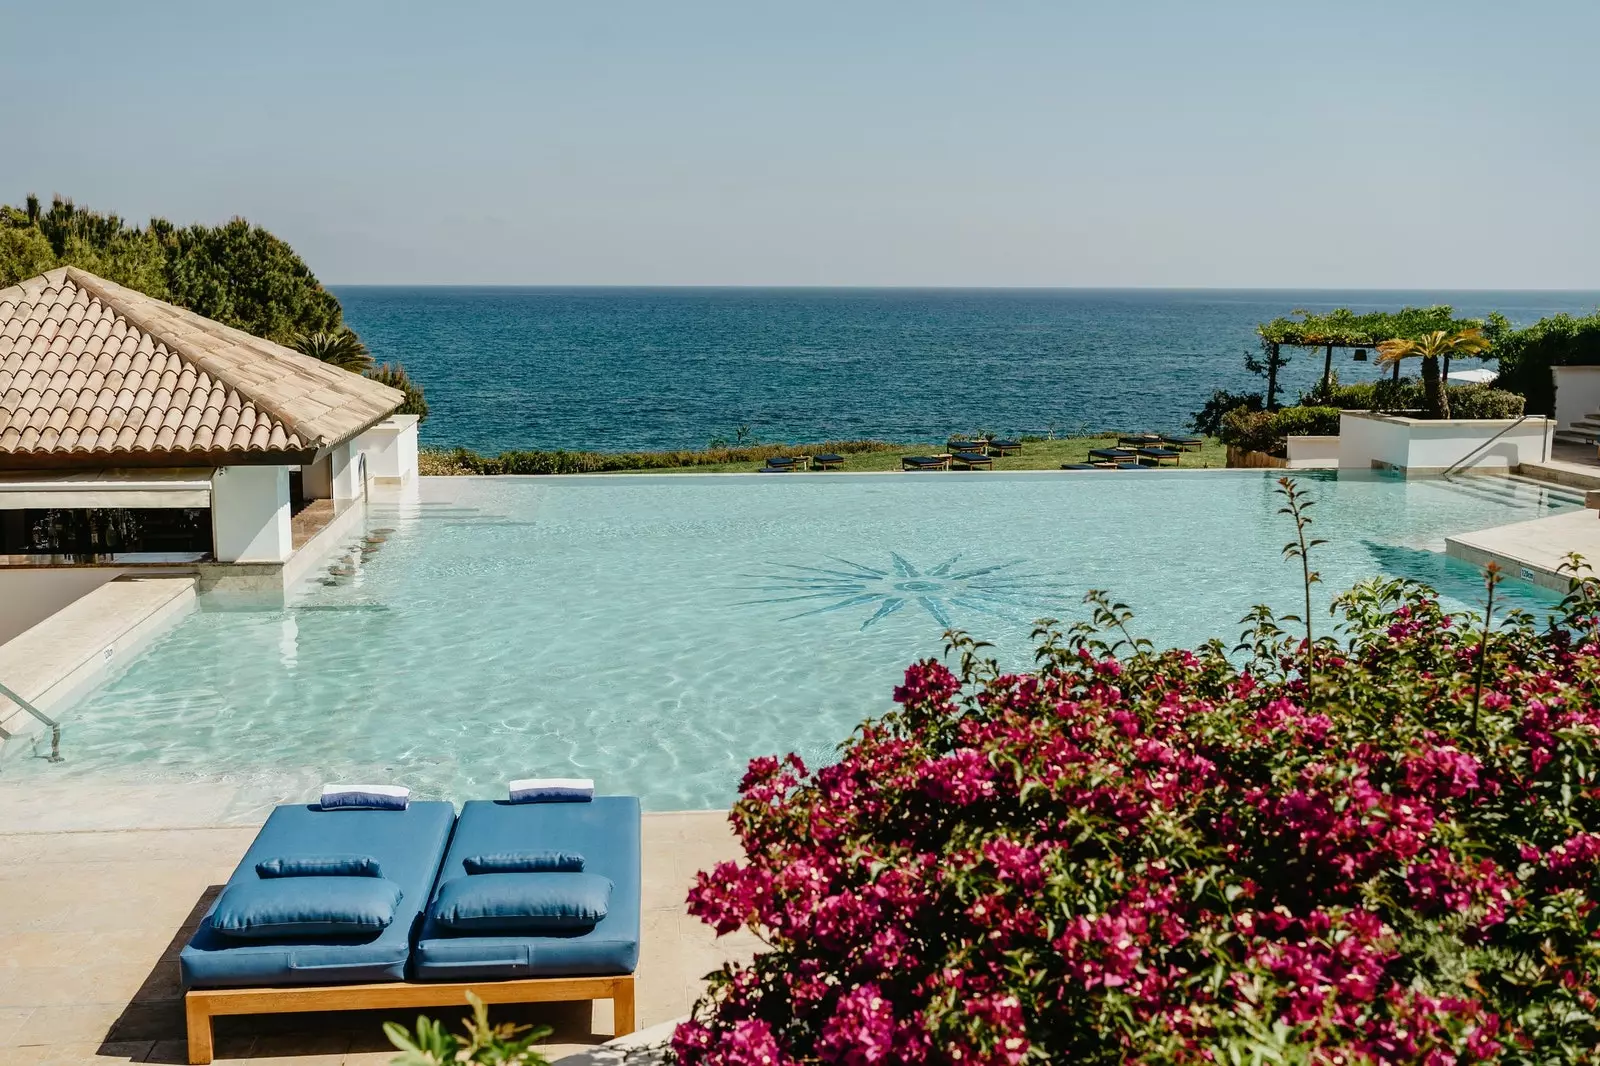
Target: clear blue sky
(1346,143)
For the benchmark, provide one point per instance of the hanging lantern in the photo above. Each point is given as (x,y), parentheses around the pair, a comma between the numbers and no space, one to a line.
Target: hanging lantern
(1361,355)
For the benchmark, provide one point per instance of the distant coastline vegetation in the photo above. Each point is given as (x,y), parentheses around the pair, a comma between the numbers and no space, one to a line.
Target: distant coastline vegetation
(860,456)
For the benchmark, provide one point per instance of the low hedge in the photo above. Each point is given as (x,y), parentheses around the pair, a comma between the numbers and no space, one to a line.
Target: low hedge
(1466,401)
(466,461)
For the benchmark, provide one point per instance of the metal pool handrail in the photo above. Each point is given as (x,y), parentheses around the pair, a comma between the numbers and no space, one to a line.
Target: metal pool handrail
(55,726)
(1459,463)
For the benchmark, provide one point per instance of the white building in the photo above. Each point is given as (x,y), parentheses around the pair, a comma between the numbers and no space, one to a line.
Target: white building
(136,436)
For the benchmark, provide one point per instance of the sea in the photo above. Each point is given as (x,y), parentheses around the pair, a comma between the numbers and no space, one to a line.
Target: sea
(619,369)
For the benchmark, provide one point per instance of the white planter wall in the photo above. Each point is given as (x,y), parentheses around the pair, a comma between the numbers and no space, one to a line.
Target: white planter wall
(1312,453)
(1425,446)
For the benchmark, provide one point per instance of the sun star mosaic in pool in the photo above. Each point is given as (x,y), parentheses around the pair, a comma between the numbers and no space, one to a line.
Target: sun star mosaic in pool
(655,633)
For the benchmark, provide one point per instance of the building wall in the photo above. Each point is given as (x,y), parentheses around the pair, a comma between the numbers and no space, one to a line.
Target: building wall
(1577,392)
(391,448)
(316,479)
(348,478)
(250,514)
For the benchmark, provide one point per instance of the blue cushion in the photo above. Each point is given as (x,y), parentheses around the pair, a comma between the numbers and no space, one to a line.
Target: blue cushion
(319,866)
(306,906)
(524,862)
(535,902)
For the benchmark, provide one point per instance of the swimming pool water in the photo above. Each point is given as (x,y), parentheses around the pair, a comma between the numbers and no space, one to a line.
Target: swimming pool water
(656,632)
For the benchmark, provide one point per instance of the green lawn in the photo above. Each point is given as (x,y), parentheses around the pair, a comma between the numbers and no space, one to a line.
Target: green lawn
(1035,455)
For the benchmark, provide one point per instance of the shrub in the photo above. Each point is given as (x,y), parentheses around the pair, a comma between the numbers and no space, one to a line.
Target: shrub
(1208,420)
(1466,401)
(1307,422)
(1186,857)
(1484,401)
(1250,430)
(1525,356)
(394,375)
(1261,431)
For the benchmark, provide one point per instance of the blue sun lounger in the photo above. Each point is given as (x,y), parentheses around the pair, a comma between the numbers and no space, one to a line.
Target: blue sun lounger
(603,831)
(330,906)
(250,935)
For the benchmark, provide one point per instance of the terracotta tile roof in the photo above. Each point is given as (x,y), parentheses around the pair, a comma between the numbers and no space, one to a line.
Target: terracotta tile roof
(91,370)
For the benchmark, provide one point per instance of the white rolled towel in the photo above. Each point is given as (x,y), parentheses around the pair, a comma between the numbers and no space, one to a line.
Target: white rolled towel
(365,797)
(552,790)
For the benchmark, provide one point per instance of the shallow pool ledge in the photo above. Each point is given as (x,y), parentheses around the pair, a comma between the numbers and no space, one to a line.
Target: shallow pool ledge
(80,645)
(1534,550)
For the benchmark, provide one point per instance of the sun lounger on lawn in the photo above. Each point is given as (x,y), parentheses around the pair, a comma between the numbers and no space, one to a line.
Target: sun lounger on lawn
(1132,466)
(963,444)
(1077,466)
(1113,455)
(784,462)
(1183,441)
(1004,447)
(826,461)
(971,461)
(925,462)
(1157,456)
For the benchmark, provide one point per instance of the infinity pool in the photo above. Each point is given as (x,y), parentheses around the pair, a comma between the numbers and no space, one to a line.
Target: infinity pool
(656,632)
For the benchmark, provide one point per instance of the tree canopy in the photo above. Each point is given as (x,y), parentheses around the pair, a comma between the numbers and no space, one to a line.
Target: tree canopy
(1343,328)
(239,274)
(236,273)
(1526,355)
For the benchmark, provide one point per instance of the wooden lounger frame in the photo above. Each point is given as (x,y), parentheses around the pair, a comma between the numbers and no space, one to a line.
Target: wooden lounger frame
(203,1004)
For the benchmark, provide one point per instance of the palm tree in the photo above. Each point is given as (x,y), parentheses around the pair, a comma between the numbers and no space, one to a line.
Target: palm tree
(341,348)
(1429,348)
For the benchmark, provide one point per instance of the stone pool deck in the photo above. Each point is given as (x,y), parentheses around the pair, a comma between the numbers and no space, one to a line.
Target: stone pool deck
(1533,550)
(93,912)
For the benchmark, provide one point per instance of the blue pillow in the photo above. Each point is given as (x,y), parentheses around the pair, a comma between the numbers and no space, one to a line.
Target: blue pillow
(319,866)
(298,907)
(524,862)
(522,903)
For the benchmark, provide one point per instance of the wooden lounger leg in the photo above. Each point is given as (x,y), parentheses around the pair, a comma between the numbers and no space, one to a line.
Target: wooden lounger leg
(198,1014)
(622,1006)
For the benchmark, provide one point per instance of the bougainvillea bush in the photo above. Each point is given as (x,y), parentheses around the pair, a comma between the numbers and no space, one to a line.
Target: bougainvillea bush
(1187,856)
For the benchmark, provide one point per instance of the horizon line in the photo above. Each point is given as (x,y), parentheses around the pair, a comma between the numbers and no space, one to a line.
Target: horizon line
(662,286)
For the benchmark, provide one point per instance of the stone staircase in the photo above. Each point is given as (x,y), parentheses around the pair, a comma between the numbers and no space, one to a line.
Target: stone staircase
(1583,431)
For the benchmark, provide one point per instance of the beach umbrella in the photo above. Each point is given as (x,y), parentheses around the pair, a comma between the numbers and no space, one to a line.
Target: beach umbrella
(1474,377)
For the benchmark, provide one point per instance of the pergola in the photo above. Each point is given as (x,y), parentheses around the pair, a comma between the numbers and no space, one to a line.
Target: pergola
(1343,328)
